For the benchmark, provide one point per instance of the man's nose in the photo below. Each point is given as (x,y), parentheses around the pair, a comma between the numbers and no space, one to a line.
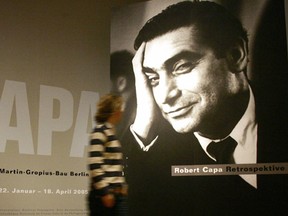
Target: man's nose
(168,91)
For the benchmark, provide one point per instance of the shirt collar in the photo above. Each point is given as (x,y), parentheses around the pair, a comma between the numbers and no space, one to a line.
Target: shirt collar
(248,121)
(240,131)
(245,133)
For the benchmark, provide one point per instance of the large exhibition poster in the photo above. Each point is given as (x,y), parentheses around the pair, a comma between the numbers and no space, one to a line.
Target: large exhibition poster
(50,82)
(203,80)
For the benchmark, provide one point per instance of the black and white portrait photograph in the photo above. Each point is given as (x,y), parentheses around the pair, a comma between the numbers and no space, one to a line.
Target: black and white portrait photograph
(204,83)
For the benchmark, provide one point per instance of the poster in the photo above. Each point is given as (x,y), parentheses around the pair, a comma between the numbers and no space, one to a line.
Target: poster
(173,173)
(49,86)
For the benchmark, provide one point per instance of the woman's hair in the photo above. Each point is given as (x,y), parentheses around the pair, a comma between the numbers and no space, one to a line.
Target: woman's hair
(107,105)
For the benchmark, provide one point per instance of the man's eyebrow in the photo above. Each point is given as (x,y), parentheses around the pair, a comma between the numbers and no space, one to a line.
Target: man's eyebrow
(148,70)
(191,56)
(188,55)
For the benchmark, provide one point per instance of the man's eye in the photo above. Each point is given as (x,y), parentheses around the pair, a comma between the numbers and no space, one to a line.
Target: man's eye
(185,67)
(153,80)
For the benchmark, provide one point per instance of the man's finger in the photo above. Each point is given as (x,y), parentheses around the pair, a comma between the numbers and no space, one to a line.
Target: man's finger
(138,59)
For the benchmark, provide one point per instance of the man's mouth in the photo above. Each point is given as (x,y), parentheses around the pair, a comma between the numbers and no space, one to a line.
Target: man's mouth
(178,112)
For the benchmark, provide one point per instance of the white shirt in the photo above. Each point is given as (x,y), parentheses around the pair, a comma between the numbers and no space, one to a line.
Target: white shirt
(140,143)
(245,134)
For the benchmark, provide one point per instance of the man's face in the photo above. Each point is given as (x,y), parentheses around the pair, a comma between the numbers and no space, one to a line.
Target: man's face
(189,84)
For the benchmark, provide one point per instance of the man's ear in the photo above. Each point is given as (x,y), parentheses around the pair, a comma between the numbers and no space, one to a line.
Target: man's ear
(121,84)
(237,56)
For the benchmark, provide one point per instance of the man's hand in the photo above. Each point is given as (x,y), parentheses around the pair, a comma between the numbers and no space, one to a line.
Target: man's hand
(147,110)
(108,200)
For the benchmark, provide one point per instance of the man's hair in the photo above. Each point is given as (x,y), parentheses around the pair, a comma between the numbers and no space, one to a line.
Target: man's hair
(107,105)
(215,26)
(121,65)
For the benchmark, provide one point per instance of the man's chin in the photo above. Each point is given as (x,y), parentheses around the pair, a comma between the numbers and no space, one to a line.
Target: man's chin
(182,128)
(182,125)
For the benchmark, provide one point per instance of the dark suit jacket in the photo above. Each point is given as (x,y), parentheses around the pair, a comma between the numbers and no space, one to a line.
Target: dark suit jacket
(152,190)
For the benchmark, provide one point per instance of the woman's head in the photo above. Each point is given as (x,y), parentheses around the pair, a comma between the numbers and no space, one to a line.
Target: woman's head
(107,106)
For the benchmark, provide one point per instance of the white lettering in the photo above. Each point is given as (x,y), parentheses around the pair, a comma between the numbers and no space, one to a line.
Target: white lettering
(56,107)
(15,118)
(211,170)
(84,122)
(51,119)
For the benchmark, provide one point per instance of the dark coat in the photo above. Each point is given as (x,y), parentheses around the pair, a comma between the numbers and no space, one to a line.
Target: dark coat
(152,189)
